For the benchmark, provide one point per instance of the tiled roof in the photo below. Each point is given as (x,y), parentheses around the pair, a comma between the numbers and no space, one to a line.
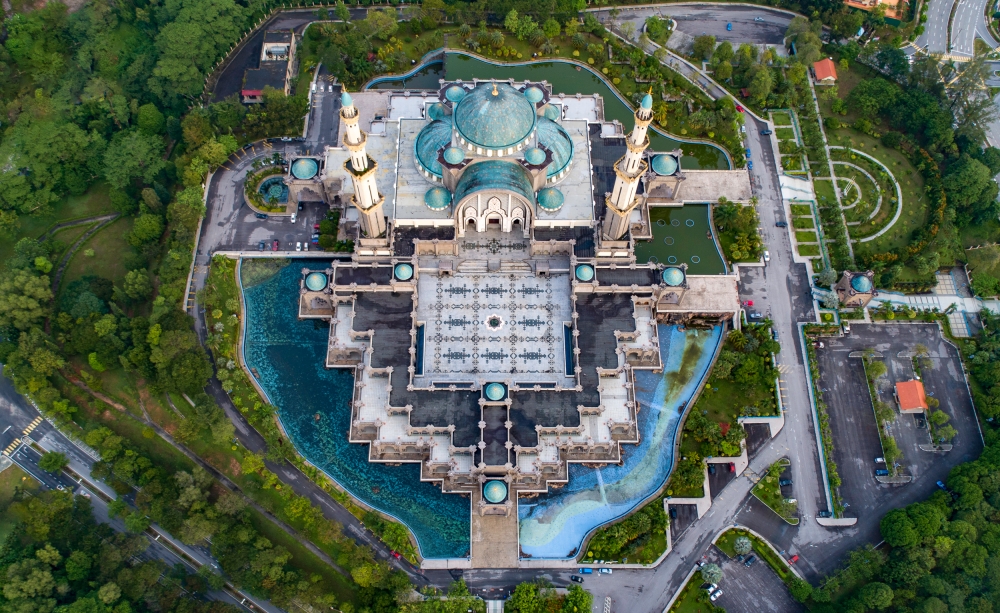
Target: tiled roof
(825,69)
(911,395)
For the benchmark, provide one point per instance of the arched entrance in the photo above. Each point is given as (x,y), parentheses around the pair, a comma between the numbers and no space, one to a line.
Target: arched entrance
(497,211)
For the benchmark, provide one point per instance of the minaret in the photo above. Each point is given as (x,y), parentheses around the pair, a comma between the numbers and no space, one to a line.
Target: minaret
(629,170)
(362,170)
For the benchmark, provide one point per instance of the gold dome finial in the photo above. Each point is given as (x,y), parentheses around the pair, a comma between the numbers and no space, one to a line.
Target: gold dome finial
(495,92)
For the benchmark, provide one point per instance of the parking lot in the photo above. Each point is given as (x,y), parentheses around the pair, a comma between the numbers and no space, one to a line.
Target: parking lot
(855,435)
(687,514)
(250,231)
(753,589)
(753,287)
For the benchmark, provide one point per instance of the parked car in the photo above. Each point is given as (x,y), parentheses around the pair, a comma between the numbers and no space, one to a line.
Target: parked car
(741,557)
(295,217)
(261,246)
(774,334)
(739,108)
(301,206)
(825,514)
(305,247)
(576,579)
(260,216)
(673,513)
(793,559)
(604,571)
(396,555)
(711,587)
(298,246)
(767,256)
(785,482)
(715,595)
(880,460)
(711,469)
(749,165)
(274,246)
(729,28)
(756,315)
(316,227)
(748,154)
(758,19)
(732,467)
(781,224)
(586,571)
(766,133)
(750,561)
(881,472)
(940,484)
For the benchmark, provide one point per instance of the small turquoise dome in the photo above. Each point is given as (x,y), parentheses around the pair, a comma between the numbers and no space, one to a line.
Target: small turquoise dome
(437,198)
(345,99)
(455,93)
(534,95)
(305,168)
(585,272)
(435,111)
(495,492)
(550,112)
(429,141)
(664,165)
(551,199)
(315,281)
(403,272)
(647,102)
(534,156)
(496,391)
(495,116)
(454,155)
(673,276)
(861,284)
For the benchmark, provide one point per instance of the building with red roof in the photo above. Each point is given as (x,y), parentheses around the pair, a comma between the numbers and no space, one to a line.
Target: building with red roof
(910,396)
(825,71)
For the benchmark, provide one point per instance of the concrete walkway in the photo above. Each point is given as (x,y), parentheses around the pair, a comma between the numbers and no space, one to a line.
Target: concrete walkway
(895,182)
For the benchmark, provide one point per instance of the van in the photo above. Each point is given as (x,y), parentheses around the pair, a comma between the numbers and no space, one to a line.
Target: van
(881,472)
(586,571)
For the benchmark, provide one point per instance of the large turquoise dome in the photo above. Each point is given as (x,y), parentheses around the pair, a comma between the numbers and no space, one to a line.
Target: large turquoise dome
(495,492)
(861,284)
(557,140)
(495,116)
(435,135)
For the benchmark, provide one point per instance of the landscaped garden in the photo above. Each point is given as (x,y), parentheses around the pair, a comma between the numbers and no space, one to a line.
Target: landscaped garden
(640,538)
(737,226)
(768,491)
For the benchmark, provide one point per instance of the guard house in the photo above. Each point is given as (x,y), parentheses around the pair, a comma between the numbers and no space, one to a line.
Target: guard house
(856,289)
(493,312)
(276,67)
(910,396)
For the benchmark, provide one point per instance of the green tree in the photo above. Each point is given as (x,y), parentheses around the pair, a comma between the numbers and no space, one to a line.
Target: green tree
(578,600)
(551,28)
(137,285)
(897,529)
(53,462)
(704,45)
(724,70)
(133,156)
(742,545)
(383,24)
(711,573)
(146,229)
(876,595)
(24,299)
(150,120)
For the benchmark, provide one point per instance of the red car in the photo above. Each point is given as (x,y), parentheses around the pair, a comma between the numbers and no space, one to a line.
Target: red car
(732,467)
(396,555)
(793,559)
(739,108)
(274,246)
(315,226)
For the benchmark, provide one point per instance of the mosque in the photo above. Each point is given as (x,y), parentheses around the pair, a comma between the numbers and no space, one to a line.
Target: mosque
(493,310)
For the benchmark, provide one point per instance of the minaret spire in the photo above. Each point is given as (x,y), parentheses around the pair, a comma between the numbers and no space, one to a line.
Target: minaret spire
(362,169)
(628,170)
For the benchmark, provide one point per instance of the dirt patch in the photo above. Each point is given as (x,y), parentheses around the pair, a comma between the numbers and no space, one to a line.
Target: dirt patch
(234,467)
(108,415)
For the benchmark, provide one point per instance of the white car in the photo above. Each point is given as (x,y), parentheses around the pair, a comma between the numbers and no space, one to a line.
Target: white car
(604,571)
(298,246)
(767,256)
(715,595)
(305,247)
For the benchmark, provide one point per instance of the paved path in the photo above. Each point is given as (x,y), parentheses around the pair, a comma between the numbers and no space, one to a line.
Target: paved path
(878,205)
(103,221)
(899,194)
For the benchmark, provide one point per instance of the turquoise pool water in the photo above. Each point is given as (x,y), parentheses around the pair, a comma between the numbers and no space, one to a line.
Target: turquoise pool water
(554,525)
(289,355)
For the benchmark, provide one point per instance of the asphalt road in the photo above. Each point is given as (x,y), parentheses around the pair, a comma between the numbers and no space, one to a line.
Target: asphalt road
(969,21)
(695,19)
(935,36)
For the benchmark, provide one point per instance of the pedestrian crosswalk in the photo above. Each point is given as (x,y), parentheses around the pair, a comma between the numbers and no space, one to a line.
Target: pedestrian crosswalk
(32,426)
(12,446)
(783,368)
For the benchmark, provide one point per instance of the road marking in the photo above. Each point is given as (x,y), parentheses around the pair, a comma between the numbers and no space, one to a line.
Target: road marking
(12,447)
(32,426)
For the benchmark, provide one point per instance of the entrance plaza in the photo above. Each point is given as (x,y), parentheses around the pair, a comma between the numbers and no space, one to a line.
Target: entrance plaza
(495,329)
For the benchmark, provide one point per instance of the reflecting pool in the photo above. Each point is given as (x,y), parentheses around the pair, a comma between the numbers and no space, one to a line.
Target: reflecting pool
(682,235)
(554,525)
(288,354)
(424,78)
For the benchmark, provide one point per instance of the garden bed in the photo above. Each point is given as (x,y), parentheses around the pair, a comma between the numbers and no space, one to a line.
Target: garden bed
(768,491)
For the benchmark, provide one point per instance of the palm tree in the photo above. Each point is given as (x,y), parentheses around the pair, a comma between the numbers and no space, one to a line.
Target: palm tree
(725,214)
(537,37)
(547,47)
(464,30)
(496,39)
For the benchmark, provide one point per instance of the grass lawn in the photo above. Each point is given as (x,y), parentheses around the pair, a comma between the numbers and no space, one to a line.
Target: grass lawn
(768,491)
(92,202)
(785,133)
(787,146)
(825,195)
(801,209)
(808,250)
(110,250)
(781,118)
(64,239)
(791,162)
(760,549)
(803,223)
(827,317)
(980,234)
(805,237)
(694,599)
(9,479)
(868,197)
